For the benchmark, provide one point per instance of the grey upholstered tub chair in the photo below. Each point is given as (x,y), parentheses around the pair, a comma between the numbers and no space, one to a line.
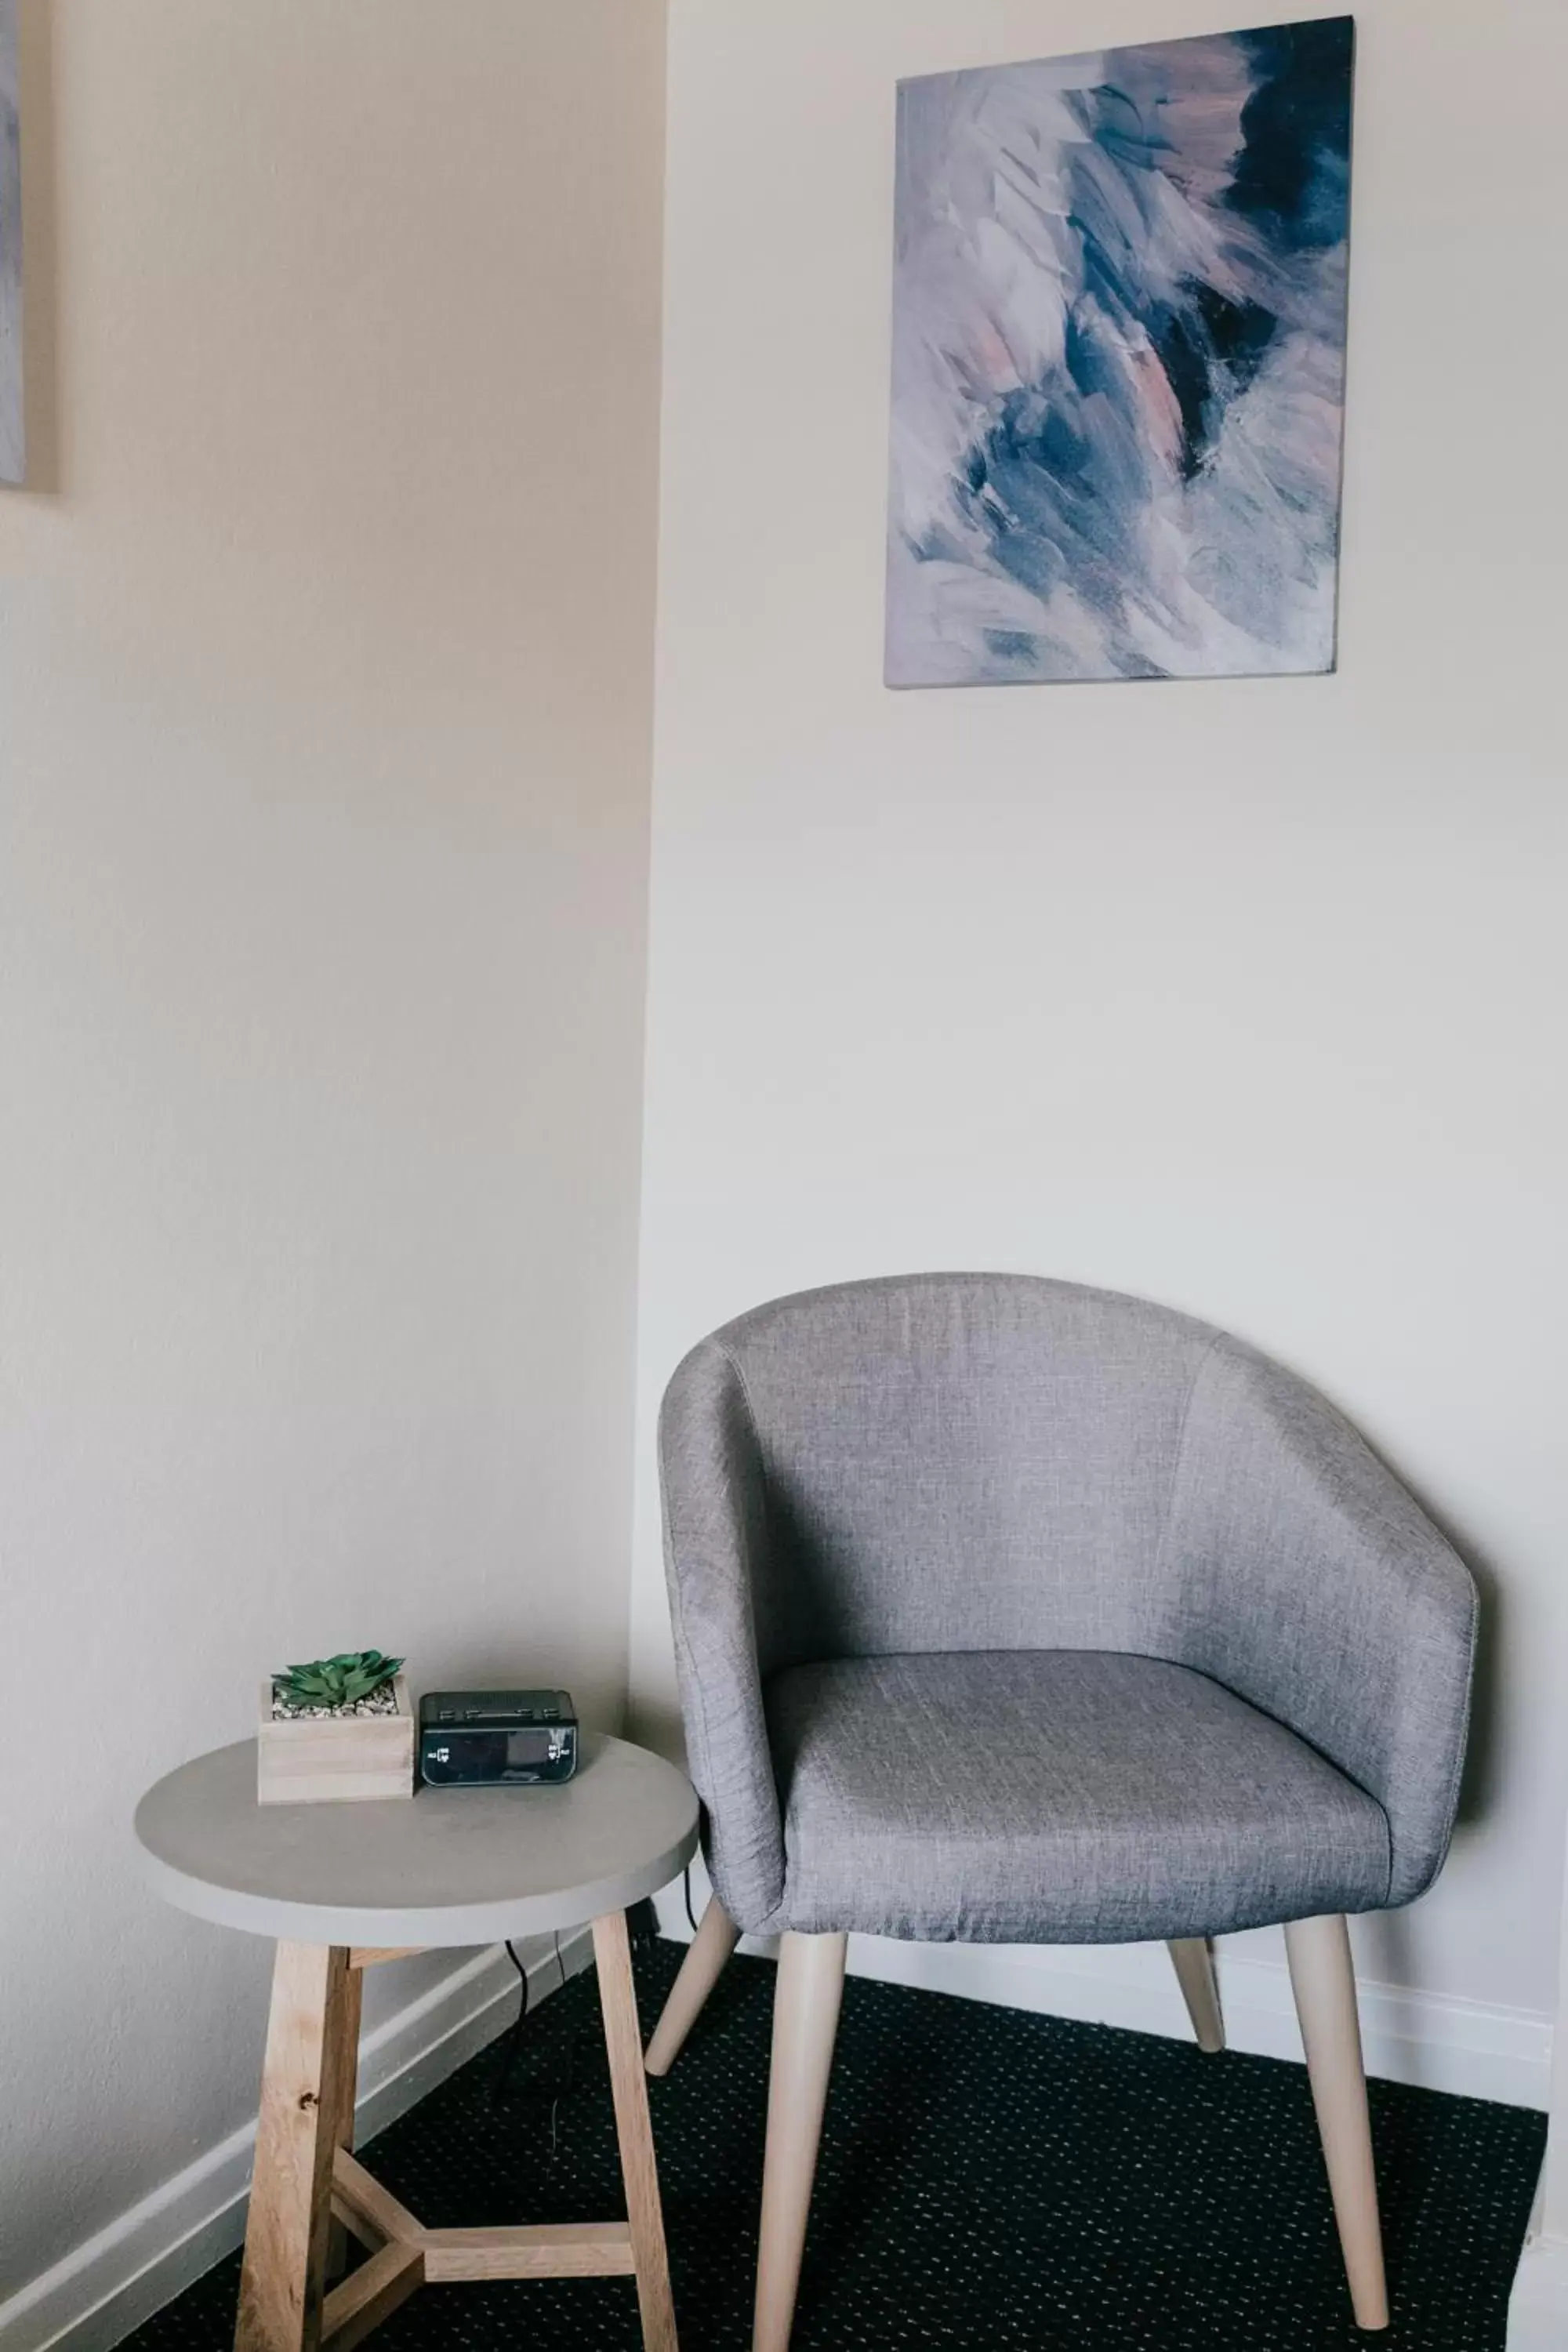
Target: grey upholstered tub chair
(1009,1611)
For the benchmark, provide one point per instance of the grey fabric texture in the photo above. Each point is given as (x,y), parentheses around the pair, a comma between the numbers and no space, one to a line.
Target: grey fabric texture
(1056,1796)
(944,1464)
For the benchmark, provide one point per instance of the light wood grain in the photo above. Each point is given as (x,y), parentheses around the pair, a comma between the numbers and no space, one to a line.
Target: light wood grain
(282,2281)
(806,2001)
(700,1970)
(326,1760)
(346,2078)
(370,2295)
(371,1955)
(1322,1978)
(371,2212)
(623,2042)
(562,2250)
(1194,1964)
(309,2184)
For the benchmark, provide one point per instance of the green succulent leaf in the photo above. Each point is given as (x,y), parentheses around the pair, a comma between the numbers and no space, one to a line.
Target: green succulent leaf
(341,1681)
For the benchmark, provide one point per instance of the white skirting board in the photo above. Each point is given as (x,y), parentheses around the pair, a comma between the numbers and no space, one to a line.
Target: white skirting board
(106,2286)
(1538,2307)
(1431,2040)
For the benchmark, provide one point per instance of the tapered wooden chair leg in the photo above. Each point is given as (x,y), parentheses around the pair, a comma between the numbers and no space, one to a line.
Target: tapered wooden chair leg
(806,2019)
(699,1972)
(1323,1980)
(1195,1973)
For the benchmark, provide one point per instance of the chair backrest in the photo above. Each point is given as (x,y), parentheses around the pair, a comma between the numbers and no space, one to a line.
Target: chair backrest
(966,1462)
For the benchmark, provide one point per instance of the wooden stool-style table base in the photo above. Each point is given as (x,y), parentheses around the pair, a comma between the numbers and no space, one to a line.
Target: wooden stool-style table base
(308,2187)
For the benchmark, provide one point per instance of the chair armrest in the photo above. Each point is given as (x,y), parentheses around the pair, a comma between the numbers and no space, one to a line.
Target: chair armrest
(715,1555)
(1316,1588)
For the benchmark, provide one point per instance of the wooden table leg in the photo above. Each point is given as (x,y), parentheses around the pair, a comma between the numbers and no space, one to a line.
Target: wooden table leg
(307,2116)
(282,2284)
(623,2039)
(343,2121)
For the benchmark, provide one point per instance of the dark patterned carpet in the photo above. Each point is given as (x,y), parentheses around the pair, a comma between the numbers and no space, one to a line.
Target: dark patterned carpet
(987,2179)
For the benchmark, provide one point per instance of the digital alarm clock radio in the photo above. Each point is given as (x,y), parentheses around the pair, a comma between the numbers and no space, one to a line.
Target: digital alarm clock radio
(487,1739)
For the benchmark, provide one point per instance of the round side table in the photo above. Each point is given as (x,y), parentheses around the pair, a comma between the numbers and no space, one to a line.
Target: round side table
(340,1887)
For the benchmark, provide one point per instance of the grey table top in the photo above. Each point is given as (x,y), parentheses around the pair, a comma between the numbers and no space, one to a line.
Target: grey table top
(448,1867)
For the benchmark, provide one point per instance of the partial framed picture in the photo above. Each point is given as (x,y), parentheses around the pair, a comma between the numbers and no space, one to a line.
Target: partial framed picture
(13,445)
(1119,359)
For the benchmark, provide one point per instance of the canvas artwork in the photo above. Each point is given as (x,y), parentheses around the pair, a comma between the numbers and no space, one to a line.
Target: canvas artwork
(12,448)
(1118,346)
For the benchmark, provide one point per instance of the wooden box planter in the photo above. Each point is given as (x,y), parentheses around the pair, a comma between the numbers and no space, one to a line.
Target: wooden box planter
(329,1760)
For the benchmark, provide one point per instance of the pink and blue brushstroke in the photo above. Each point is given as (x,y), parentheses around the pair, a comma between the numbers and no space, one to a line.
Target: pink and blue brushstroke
(1119,335)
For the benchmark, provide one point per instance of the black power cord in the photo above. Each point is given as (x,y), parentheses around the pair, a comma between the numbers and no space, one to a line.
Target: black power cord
(548,2092)
(642,1926)
(514,2035)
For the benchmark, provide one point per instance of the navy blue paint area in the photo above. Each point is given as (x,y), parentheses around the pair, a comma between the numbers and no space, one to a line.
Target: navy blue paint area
(1210,351)
(1292,180)
(1293,175)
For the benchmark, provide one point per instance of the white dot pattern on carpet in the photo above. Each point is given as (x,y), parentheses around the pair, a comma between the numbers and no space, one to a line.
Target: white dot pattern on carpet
(987,2178)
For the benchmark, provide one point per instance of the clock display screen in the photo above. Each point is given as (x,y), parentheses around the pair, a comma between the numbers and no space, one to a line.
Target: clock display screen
(527,1747)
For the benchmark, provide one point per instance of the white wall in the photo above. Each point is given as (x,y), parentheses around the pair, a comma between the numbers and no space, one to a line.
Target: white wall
(325,671)
(1538,2306)
(1246,995)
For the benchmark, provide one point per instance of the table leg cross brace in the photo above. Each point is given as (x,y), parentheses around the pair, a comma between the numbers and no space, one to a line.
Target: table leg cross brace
(405,2254)
(306,2178)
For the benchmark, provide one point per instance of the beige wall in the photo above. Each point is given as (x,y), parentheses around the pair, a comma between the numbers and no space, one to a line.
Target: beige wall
(324,679)
(1246,995)
(323,736)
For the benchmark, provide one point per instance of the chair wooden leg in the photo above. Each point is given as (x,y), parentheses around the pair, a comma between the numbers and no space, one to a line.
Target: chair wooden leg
(623,2039)
(806,2019)
(282,2283)
(1323,1980)
(1195,1973)
(699,1972)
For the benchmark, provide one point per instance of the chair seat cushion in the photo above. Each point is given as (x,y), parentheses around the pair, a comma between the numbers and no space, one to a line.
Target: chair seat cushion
(1054,1796)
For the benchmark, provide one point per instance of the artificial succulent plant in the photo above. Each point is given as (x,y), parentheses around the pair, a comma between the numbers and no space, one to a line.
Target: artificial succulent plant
(341,1681)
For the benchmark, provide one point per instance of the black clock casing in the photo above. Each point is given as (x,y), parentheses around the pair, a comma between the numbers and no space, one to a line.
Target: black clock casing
(497,1739)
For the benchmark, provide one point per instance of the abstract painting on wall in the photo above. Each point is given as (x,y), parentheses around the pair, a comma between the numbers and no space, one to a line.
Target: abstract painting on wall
(1119,340)
(12,449)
